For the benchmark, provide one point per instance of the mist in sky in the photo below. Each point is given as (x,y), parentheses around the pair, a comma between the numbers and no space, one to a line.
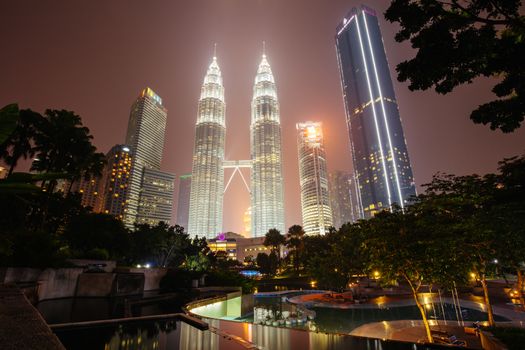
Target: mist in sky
(94,57)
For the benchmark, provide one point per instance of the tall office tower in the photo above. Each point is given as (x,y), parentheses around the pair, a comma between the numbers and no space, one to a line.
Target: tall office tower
(89,190)
(115,180)
(380,157)
(207,181)
(183,202)
(145,137)
(313,177)
(156,197)
(247,222)
(265,134)
(341,197)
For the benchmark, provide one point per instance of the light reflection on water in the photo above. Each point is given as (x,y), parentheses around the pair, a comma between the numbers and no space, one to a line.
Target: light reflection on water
(177,335)
(275,310)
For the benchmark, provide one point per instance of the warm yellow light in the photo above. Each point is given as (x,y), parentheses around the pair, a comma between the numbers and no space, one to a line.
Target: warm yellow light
(376,274)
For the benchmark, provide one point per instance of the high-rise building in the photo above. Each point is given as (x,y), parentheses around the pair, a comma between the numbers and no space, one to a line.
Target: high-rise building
(89,189)
(183,202)
(380,157)
(145,137)
(342,198)
(267,199)
(313,177)
(115,181)
(247,222)
(156,197)
(207,182)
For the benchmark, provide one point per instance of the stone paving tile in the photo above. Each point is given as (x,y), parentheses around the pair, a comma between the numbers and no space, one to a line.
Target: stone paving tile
(21,325)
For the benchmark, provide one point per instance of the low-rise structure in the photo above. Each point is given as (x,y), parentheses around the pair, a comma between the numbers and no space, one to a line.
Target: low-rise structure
(238,247)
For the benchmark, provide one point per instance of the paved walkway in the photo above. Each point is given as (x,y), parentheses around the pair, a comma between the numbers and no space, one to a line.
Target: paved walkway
(21,325)
(412,331)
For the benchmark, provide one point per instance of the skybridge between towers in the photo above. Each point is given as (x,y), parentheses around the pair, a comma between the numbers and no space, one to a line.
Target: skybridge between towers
(237,165)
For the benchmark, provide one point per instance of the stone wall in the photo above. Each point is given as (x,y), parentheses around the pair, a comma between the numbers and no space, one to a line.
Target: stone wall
(95,284)
(152,277)
(19,274)
(70,282)
(58,283)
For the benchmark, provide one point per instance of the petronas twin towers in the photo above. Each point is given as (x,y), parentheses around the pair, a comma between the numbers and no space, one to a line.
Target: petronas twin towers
(207,186)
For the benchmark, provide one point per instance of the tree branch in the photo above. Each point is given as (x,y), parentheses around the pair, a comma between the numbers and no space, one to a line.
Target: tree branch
(474,17)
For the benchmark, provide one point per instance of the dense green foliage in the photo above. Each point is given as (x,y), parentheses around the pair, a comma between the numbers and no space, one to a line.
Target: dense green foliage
(96,236)
(460,40)
(221,277)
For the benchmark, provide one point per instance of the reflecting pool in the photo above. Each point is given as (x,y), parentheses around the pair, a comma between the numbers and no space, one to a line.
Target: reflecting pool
(275,310)
(222,335)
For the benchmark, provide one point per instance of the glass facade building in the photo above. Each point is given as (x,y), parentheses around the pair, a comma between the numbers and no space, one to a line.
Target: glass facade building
(156,197)
(267,197)
(183,202)
(207,182)
(313,177)
(342,198)
(380,158)
(145,137)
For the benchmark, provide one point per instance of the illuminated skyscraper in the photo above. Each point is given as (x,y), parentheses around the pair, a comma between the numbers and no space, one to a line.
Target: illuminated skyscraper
(342,198)
(89,190)
(145,137)
(207,182)
(183,202)
(156,197)
(247,222)
(313,177)
(115,180)
(265,134)
(380,157)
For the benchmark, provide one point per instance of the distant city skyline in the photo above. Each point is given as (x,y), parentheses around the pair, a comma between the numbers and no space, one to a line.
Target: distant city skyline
(96,69)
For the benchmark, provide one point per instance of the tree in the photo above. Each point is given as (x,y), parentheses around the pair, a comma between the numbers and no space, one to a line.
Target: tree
(267,263)
(90,234)
(274,239)
(63,145)
(460,40)
(467,200)
(507,218)
(198,263)
(19,143)
(294,241)
(161,245)
(411,246)
(9,116)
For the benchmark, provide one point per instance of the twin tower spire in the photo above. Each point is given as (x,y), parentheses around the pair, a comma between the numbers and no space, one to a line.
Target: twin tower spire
(207,184)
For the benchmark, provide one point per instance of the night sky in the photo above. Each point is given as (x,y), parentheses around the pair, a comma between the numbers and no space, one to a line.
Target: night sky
(94,57)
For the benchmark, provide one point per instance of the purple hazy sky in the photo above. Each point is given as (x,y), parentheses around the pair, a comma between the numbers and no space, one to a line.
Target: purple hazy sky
(94,57)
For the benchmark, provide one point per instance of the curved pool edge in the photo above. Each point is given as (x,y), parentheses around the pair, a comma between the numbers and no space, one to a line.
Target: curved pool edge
(262,336)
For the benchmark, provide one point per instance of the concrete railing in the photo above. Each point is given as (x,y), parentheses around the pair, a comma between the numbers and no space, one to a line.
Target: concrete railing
(54,283)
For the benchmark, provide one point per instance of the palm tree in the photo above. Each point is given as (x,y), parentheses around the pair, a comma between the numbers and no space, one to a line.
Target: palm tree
(90,168)
(63,145)
(275,239)
(294,241)
(19,143)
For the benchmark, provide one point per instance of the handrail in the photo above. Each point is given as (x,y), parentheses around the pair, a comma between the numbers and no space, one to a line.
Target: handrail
(192,321)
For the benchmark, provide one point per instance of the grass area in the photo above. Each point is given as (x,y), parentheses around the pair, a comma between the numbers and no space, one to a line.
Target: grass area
(514,338)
